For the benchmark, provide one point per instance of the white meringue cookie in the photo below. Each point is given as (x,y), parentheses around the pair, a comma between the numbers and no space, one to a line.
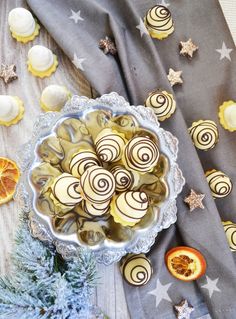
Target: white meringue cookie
(21,22)
(9,108)
(230,115)
(54,97)
(40,58)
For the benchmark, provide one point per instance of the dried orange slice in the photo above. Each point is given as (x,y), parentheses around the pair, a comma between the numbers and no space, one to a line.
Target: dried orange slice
(9,176)
(185,263)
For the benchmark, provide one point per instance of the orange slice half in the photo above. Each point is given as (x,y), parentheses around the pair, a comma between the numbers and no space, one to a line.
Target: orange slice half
(185,263)
(9,176)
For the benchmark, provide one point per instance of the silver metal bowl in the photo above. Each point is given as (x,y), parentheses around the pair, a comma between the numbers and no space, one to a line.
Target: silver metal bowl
(141,237)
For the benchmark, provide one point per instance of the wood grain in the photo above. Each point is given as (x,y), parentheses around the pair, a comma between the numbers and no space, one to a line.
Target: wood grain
(109,294)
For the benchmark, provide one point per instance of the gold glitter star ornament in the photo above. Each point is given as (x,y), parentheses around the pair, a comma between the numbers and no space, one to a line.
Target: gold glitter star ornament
(108,46)
(183,310)
(194,200)
(8,73)
(187,48)
(174,77)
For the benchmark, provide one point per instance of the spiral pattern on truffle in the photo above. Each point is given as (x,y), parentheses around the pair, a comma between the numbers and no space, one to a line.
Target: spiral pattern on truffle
(66,189)
(141,154)
(129,207)
(159,18)
(98,185)
(230,232)
(162,103)
(109,145)
(124,179)
(81,161)
(137,270)
(219,183)
(96,209)
(204,134)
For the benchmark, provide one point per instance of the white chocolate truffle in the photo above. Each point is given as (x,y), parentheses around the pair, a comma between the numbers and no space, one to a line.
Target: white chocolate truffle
(96,209)
(227,115)
(40,58)
(97,184)
(109,145)
(128,208)
(136,269)
(9,108)
(66,190)
(21,22)
(230,115)
(54,97)
(141,154)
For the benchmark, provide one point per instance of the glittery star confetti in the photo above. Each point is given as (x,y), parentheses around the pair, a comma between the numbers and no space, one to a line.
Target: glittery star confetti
(194,200)
(174,77)
(183,310)
(187,48)
(108,46)
(8,73)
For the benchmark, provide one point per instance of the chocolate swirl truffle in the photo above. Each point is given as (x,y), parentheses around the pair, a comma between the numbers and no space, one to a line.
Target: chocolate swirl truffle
(109,145)
(204,134)
(141,154)
(219,183)
(65,189)
(98,185)
(81,161)
(230,232)
(136,269)
(159,23)
(124,179)
(162,103)
(96,209)
(129,207)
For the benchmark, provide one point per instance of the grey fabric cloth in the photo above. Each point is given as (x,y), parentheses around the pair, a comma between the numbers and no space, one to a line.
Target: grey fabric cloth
(141,66)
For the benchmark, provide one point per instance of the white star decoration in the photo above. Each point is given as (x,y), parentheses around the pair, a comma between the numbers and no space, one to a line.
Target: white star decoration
(160,292)
(76,16)
(142,28)
(224,52)
(211,285)
(78,62)
(164,3)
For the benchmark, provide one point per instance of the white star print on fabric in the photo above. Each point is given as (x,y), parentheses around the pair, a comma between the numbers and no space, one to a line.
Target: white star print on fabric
(224,52)
(76,16)
(160,292)
(141,26)
(78,62)
(211,285)
(164,3)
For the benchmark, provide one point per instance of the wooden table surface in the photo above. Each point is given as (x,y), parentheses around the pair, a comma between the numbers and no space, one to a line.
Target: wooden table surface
(109,294)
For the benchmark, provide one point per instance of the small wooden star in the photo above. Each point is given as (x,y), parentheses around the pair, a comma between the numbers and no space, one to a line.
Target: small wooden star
(8,73)
(108,46)
(183,310)
(187,48)
(174,77)
(194,200)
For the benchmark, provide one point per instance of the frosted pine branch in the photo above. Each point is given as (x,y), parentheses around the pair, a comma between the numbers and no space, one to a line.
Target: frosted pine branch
(41,285)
